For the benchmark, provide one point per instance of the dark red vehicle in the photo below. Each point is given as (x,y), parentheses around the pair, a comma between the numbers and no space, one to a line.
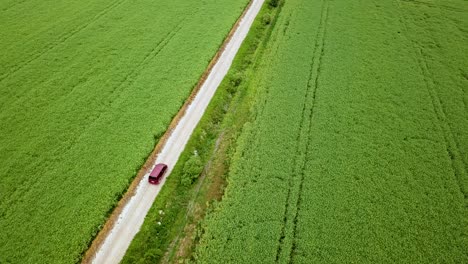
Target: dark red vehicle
(157,173)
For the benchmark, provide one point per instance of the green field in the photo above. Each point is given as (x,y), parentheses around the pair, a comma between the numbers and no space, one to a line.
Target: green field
(358,148)
(340,130)
(86,90)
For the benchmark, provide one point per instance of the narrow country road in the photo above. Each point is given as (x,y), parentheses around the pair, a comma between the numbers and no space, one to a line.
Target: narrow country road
(130,220)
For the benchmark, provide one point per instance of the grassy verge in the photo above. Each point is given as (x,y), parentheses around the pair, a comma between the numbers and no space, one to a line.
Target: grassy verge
(171,228)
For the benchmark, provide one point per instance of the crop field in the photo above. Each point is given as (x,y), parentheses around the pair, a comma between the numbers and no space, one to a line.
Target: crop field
(358,148)
(86,90)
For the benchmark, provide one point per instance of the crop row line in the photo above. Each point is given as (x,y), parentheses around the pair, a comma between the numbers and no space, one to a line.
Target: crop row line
(117,91)
(134,73)
(62,39)
(287,208)
(13,4)
(289,197)
(315,77)
(147,57)
(453,146)
(128,79)
(458,162)
(287,245)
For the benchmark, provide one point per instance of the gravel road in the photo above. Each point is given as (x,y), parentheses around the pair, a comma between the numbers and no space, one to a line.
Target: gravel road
(132,216)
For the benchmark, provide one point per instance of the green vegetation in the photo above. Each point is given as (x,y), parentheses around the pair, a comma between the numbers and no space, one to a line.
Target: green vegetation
(356,152)
(86,90)
(171,227)
(339,134)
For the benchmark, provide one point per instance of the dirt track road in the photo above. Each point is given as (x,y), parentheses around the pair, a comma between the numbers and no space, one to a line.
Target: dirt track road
(130,220)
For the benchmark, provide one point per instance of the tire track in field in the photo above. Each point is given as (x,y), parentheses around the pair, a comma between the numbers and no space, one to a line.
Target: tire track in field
(279,250)
(135,72)
(459,164)
(116,92)
(3,105)
(289,197)
(286,249)
(283,32)
(62,39)
(133,75)
(128,79)
(320,51)
(15,3)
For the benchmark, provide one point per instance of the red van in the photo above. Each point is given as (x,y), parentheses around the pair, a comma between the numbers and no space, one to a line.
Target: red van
(157,173)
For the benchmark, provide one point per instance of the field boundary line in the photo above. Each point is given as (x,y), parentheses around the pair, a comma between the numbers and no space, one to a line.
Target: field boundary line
(111,220)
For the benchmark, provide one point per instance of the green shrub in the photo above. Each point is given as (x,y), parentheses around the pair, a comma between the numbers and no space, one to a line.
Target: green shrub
(273,3)
(236,79)
(192,169)
(266,19)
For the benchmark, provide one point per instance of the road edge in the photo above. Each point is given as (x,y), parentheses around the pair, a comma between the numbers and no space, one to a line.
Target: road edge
(99,239)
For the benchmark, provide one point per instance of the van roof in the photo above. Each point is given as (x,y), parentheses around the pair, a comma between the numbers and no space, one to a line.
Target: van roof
(157,169)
